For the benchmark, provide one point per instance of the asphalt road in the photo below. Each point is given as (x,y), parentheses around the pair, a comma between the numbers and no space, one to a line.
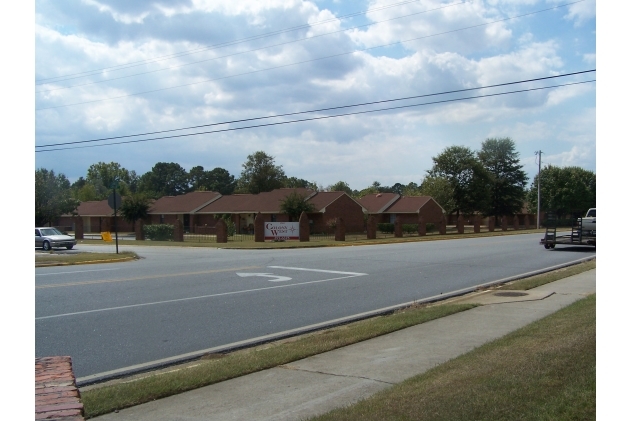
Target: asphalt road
(178,302)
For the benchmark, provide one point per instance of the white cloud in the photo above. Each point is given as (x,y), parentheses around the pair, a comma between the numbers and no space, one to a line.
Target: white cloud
(580,12)
(391,146)
(126,18)
(430,25)
(589,58)
(579,156)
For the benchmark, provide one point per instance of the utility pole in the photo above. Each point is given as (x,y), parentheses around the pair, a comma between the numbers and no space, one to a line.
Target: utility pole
(538,188)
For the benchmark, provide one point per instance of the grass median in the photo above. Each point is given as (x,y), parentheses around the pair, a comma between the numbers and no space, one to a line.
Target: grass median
(102,399)
(60,259)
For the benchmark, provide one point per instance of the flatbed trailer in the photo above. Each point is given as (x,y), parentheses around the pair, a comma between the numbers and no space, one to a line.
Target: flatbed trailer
(576,238)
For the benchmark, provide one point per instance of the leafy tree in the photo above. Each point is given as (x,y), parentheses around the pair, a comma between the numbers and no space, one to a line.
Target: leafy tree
(53,197)
(373,189)
(564,191)
(83,191)
(86,193)
(377,187)
(396,188)
(101,176)
(441,190)
(507,179)
(134,207)
(164,179)
(412,189)
(468,178)
(260,174)
(294,204)
(294,183)
(341,186)
(197,178)
(218,180)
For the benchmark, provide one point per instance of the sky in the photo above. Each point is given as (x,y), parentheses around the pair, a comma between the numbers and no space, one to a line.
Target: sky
(105,69)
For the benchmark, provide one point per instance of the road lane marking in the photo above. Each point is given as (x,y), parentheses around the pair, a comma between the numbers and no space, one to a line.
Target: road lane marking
(319,270)
(78,271)
(189,298)
(266,275)
(142,278)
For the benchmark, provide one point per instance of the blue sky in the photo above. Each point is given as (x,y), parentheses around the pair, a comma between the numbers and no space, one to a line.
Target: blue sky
(397,49)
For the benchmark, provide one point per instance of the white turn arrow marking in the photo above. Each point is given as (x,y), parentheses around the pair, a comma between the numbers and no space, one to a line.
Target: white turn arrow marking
(266,275)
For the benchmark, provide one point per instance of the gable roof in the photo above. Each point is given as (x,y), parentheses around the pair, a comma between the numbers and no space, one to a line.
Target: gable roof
(95,208)
(410,204)
(324,198)
(395,203)
(266,202)
(379,202)
(185,203)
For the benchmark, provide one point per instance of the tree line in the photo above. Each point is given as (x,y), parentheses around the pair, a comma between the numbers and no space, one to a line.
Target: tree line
(490,181)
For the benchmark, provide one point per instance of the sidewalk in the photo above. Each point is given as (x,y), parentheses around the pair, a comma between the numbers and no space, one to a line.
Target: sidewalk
(338,378)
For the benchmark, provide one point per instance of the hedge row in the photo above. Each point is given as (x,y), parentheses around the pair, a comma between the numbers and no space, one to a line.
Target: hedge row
(161,232)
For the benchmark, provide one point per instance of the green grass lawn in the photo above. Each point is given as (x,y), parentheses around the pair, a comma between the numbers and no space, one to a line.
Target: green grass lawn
(544,371)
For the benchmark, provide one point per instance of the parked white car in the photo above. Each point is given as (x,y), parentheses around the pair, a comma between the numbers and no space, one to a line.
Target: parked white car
(49,237)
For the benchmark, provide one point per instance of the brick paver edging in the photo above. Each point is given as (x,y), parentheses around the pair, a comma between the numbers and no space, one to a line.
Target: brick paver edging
(56,393)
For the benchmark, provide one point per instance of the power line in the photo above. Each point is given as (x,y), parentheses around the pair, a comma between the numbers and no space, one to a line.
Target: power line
(227,43)
(320,118)
(320,110)
(306,61)
(246,52)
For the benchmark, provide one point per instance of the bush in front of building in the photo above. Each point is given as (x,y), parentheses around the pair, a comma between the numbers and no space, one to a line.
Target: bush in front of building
(409,228)
(386,227)
(161,232)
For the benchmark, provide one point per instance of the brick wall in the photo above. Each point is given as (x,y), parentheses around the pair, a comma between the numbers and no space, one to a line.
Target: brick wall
(56,393)
(345,208)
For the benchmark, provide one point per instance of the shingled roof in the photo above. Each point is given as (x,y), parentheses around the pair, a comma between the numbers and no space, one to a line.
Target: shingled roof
(185,203)
(394,203)
(95,208)
(409,204)
(379,202)
(267,202)
(323,199)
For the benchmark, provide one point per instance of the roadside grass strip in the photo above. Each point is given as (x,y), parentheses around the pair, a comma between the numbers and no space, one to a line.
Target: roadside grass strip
(535,281)
(102,399)
(218,367)
(544,371)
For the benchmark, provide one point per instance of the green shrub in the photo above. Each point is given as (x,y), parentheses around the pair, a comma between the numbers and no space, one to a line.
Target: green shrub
(386,227)
(410,228)
(429,227)
(230,226)
(161,232)
(232,229)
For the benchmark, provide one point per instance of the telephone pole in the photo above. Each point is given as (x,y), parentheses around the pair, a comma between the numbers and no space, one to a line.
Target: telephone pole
(538,153)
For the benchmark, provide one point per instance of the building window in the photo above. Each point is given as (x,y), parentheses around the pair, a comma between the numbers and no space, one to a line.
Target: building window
(162,219)
(273,217)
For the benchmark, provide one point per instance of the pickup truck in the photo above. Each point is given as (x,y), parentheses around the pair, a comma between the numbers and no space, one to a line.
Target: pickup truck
(588,223)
